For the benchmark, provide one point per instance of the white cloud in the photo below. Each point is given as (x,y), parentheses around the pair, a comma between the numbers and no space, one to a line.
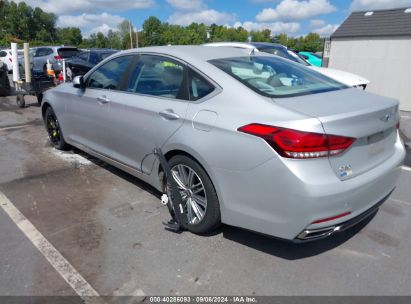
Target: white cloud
(187,4)
(360,5)
(207,16)
(295,10)
(91,23)
(316,23)
(274,27)
(87,6)
(325,30)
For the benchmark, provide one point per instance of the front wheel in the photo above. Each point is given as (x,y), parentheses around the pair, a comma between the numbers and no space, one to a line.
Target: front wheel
(200,199)
(54,130)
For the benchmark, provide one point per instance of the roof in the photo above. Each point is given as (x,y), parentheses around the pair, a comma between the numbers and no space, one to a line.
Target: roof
(378,23)
(195,52)
(249,45)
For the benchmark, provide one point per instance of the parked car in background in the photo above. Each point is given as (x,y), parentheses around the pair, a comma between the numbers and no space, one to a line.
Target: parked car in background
(312,58)
(86,60)
(346,78)
(5,88)
(5,57)
(252,139)
(54,54)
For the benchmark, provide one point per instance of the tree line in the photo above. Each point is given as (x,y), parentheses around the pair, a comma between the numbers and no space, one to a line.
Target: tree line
(20,23)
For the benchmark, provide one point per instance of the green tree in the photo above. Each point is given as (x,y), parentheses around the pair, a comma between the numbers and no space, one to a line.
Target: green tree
(69,36)
(114,40)
(152,31)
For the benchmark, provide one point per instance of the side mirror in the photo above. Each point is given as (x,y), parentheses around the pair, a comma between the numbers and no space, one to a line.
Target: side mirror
(78,82)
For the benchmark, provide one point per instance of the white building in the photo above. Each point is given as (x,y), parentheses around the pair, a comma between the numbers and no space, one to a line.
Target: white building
(376,45)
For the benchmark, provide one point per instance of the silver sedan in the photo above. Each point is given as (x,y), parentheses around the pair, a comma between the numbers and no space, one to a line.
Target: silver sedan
(253,140)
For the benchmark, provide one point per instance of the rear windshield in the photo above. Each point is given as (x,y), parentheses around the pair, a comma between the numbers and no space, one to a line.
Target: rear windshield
(276,77)
(68,52)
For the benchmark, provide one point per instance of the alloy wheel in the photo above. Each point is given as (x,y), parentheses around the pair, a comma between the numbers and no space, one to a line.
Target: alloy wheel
(192,191)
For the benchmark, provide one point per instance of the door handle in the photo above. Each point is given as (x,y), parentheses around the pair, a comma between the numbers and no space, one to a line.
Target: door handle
(169,114)
(103,99)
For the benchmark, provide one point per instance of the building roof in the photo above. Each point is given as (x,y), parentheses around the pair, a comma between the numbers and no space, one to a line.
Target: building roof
(378,23)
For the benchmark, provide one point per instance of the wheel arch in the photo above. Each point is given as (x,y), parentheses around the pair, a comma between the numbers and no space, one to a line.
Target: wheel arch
(44,107)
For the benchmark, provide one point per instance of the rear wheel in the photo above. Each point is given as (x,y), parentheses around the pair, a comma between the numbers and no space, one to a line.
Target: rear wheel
(200,199)
(54,130)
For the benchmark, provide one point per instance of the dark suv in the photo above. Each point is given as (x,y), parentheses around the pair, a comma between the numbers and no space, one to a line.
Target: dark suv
(86,60)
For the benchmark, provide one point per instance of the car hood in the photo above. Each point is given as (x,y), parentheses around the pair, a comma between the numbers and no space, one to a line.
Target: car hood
(346,78)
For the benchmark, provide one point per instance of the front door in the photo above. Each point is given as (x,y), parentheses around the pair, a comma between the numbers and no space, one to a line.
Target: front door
(88,114)
(153,108)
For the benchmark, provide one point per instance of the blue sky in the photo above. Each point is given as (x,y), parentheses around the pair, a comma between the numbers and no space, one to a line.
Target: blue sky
(294,17)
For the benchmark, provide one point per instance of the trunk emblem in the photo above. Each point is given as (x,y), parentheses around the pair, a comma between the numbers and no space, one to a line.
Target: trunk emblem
(345,171)
(386,117)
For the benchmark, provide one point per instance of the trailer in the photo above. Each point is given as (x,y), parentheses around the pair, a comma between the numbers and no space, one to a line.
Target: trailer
(36,87)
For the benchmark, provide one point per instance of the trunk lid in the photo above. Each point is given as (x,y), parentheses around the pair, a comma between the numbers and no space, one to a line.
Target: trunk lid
(369,118)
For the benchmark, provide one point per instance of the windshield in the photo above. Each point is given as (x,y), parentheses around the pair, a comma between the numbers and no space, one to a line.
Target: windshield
(283,52)
(275,77)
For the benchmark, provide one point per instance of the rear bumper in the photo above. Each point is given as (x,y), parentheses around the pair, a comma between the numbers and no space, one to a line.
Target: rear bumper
(284,197)
(320,233)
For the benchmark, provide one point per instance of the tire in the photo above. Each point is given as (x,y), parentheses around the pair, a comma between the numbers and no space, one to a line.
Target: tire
(54,131)
(211,218)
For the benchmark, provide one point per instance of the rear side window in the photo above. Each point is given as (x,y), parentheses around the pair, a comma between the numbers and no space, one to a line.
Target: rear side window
(198,86)
(158,76)
(67,52)
(109,75)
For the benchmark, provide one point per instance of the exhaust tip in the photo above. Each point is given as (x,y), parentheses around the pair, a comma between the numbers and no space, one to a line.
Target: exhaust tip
(311,234)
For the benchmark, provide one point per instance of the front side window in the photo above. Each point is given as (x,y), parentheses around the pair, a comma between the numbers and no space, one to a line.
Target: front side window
(276,77)
(158,76)
(108,75)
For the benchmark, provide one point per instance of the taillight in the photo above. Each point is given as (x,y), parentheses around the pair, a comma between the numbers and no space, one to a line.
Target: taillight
(11,60)
(299,144)
(58,57)
(398,125)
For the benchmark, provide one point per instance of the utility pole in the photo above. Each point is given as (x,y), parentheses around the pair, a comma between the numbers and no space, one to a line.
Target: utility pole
(131,35)
(136,38)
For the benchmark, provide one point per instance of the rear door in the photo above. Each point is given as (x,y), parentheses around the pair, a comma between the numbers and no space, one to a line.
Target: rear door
(153,108)
(369,118)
